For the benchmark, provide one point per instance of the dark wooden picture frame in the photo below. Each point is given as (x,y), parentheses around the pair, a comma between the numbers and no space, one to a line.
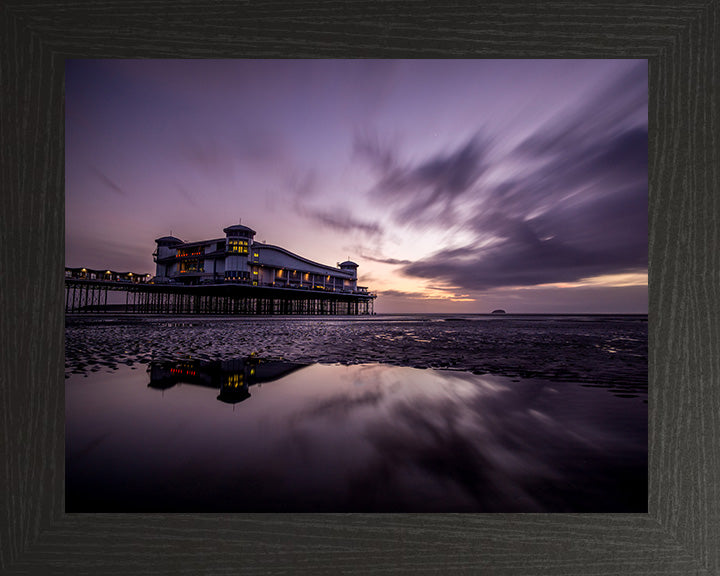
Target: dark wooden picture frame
(681,532)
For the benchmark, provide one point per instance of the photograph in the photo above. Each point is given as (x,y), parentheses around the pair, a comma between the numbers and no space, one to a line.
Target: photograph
(363,285)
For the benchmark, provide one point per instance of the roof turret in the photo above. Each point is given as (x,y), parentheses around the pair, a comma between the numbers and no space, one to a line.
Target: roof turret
(238,229)
(168,241)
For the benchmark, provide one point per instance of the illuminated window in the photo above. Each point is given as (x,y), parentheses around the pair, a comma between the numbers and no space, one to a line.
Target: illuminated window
(191,266)
(237,275)
(237,246)
(234,380)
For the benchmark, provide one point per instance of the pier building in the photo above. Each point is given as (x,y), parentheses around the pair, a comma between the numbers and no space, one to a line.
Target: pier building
(238,259)
(228,275)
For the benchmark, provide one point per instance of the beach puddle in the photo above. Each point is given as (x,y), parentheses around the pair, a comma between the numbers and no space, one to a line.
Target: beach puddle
(254,435)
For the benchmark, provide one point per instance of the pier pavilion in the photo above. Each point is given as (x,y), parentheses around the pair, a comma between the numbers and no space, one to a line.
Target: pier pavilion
(230,275)
(237,258)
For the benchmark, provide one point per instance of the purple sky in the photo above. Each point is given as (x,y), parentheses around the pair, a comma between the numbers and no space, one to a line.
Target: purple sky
(456,185)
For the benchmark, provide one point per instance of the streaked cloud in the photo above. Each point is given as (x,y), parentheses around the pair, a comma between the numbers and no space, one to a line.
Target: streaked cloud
(393,261)
(340,220)
(427,189)
(576,209)
(110,184)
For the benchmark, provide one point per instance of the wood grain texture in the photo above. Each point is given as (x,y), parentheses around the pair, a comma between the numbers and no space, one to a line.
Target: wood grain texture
(680,534)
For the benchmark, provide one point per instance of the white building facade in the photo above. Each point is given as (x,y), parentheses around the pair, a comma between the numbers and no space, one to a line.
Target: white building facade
(238,259)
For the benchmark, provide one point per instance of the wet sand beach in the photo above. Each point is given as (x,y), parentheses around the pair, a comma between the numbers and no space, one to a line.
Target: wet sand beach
(598,350)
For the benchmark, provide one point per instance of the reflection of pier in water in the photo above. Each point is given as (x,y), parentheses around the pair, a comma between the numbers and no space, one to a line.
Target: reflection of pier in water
(232,377)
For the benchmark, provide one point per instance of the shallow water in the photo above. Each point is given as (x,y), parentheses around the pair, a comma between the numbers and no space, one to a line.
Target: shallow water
(247,434)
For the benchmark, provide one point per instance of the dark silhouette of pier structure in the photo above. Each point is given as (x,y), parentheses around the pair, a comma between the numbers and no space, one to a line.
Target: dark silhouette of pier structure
(87,291)
(232,378)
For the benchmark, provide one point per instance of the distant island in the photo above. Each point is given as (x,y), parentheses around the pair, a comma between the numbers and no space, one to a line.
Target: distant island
(498,311)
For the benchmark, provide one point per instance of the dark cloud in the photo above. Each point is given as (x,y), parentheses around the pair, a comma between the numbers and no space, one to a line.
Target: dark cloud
(401,294)
(368,279)
(605,236)
(420,295)
(367,146)
(340,220)
(429,189)
(394,261)
(444,288)
(303,185)
(108,182)
(189,198)
(578,211)
(620,105)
